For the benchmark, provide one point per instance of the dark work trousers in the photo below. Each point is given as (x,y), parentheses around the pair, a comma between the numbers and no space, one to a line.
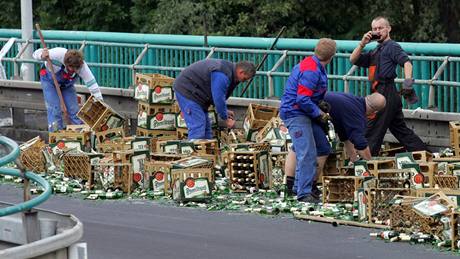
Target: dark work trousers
(391,117)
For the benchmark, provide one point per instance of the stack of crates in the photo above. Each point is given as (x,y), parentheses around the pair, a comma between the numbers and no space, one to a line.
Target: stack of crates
(156,109)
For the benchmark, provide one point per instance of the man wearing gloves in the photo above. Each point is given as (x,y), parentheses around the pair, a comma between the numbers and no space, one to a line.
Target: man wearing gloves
(205,83)
(382,62)
(68,66)
(299,110)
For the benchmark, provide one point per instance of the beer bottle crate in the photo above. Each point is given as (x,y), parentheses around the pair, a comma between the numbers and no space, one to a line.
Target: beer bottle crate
(454,129)
(83,137)
(375,165)
(274,129)
(422,156)
(192,184)
(378,201)
(110,135)
(154,88)
(455,236)
(81,166)
(114,145)
(164,157)
(152,109)
(258,115)
(250,170)
(233,136)
(142,132)
(99,116)
(400,178)
(404,218)
(157,121)
(154,141)
(138,160)
(249,146)
(141,143)
(340,188)
(31,155)
(445,181)
(158,174)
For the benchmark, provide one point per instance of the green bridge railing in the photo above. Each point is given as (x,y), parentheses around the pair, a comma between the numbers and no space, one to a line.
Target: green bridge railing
(116,57)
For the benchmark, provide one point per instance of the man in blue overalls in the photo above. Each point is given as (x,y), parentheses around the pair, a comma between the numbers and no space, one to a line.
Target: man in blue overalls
(299,110)
(205,83)
(68,66)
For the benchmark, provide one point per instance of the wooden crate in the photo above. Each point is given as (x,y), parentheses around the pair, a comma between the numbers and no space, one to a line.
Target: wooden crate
(340,188)
(378,202)
(375,165)
(422,156)
(454,129)
(31,155)
(113,146)
(274,129)
(152,109)
(182,174)
(156,156)
(159,177)
(154,88)
(154,141)
(454,222)
(404,218)
(258,115)
(141,132)
(110,135)
(445,181)
(99,116)
(400,178)
(84,137)
(78,166)
(249,170)
(234,136)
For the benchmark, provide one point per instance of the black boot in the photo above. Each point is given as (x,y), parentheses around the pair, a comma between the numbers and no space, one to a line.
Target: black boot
(290,185)
(315,192)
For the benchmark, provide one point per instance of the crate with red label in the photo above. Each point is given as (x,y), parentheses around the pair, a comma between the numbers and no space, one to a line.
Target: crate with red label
(249,170)
(400,178)
(84,137)
(158,175)
(141,132)
(99,116)
(154,88)
(191,185)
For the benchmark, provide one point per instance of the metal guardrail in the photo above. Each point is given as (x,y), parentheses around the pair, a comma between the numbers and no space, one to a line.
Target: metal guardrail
(437,78)
(29,204)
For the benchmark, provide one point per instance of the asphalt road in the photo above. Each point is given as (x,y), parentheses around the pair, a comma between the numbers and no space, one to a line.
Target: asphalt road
(145,229)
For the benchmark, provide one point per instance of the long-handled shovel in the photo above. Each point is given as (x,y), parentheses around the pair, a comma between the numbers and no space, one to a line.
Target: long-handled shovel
(56,84)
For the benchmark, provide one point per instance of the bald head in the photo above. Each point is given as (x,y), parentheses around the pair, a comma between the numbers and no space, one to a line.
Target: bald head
(374,103)
(383,19)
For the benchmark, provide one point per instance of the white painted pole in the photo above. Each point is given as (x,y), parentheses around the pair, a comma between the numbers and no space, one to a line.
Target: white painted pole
(27,70)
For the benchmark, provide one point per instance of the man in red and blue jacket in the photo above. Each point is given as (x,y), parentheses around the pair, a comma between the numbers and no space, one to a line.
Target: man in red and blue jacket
(304,88)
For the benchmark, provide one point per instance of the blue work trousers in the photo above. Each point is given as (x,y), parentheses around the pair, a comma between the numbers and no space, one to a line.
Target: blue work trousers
(196,118)
(53,105)
(300,130)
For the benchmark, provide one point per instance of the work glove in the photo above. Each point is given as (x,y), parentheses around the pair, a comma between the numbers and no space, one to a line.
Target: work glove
(324,106)
(408,91)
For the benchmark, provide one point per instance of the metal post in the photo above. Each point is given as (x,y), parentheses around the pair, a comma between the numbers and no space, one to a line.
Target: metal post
(27,70)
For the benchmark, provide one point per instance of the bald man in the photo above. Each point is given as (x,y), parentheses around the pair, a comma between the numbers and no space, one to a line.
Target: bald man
(348,114)
(381,63)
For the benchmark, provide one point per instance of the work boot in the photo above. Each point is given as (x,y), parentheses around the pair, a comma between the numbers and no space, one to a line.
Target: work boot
(309,198)
(315,191)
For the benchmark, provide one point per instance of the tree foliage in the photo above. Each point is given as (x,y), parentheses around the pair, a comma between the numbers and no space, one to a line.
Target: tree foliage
(412,20)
